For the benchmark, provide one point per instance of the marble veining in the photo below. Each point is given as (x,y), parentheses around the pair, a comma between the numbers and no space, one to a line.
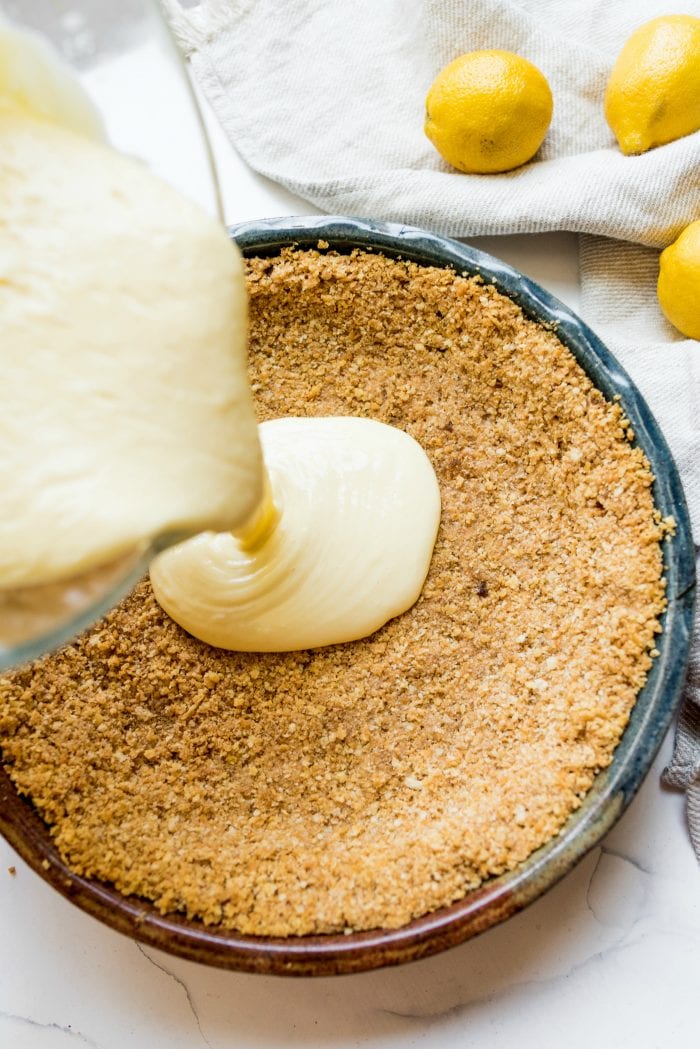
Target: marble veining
(619,942)
(27,1022)
(181,983)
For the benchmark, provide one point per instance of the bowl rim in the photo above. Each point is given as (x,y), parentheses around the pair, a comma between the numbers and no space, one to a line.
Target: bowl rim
(613,789)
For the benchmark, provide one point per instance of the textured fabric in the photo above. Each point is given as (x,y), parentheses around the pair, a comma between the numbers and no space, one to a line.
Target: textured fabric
(618,300)
(684,770)
(326,97)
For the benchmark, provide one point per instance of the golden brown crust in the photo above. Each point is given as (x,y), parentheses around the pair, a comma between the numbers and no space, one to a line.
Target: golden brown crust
(364,784)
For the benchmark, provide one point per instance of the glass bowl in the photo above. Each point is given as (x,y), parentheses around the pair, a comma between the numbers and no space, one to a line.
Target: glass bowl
(126,59)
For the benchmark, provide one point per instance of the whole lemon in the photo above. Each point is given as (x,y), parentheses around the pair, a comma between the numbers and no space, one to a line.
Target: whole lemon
(679,282)
(653,94)
(488,111)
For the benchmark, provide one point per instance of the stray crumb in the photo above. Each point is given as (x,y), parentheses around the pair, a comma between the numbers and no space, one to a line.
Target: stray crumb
(449,745)
(12,871)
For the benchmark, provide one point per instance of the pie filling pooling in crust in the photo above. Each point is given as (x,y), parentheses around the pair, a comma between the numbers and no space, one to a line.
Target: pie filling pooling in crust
(362,785)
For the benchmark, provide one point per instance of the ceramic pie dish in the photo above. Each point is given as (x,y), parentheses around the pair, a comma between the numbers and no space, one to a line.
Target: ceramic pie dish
(498,898)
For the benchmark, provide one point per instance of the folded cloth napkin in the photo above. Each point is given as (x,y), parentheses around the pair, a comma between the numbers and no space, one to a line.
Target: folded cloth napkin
(327,97)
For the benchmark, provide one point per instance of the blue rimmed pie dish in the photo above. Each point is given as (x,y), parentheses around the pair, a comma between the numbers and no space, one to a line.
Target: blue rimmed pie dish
(613,789)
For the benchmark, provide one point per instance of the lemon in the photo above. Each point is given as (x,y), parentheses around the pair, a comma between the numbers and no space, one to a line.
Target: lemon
(679,282)
(488,111)
(653,94)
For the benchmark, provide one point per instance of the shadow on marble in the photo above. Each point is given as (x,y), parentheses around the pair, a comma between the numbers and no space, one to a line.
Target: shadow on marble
(631,907)
(589,913)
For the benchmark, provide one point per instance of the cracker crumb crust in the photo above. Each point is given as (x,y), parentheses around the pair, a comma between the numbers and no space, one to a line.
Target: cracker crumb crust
(362,785)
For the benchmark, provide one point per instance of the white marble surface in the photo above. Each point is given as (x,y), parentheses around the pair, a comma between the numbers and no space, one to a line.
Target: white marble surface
(609,957)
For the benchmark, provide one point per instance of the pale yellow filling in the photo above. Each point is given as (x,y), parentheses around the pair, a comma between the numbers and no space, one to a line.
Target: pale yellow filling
(127,415)
(359,508)
(126,410)
(35,83)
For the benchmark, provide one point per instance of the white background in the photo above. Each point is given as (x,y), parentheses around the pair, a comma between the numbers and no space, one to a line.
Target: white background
(610,957)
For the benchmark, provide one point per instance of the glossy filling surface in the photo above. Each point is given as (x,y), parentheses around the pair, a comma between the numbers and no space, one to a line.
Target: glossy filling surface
(346,545)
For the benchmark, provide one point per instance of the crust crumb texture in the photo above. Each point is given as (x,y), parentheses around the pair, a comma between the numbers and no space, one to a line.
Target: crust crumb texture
(362,785)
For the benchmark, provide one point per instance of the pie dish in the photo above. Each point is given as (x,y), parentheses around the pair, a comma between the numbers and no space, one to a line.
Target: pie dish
(612,789)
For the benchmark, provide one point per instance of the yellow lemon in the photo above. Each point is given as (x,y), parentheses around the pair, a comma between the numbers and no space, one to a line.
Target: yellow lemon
(488,111)
(679,282)
(653,95)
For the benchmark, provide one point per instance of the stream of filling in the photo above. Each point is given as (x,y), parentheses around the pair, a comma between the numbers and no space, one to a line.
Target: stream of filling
(128,416)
